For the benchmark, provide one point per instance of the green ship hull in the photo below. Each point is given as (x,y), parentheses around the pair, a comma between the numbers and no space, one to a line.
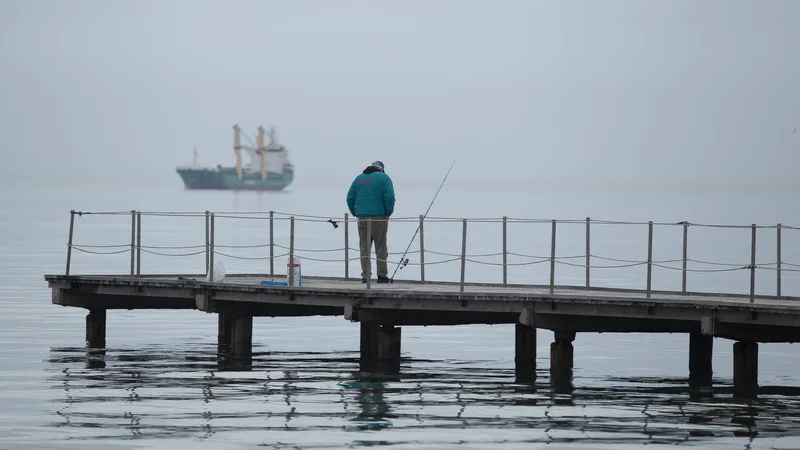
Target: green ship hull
(224,178)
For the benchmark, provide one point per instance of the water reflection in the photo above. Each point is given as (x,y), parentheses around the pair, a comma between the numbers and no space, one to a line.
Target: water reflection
(196,394)
(562,385)
(95,358)
(370,396)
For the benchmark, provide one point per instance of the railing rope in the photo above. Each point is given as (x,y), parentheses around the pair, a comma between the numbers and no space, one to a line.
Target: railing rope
(682,264)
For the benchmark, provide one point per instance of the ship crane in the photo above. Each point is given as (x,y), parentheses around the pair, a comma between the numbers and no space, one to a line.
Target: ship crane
(259,148)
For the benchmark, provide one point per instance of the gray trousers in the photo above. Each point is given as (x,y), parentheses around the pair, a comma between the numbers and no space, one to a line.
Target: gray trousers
(379,226)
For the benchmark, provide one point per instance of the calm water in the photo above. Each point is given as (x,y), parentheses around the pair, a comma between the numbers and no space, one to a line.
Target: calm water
(159,382)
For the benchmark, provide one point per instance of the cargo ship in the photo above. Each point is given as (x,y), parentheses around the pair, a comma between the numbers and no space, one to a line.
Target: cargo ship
(269,167)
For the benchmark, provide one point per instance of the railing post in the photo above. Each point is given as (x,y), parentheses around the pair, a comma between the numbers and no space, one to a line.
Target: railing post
(291,251)
(138,244)
(685,254)
(207,243)
(133,240)
(69,240)
(463,253)
(211,248)
(505,251)
(588,251)
(753,264)
(346,246)
(369,253)
(271,243)
(649,257)
(421,249)
(553,258)
(778,292)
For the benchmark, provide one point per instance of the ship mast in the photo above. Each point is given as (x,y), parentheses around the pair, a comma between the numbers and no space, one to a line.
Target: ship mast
(238,149)
(262,152)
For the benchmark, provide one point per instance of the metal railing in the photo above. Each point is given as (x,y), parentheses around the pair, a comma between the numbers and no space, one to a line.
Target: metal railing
(210,248)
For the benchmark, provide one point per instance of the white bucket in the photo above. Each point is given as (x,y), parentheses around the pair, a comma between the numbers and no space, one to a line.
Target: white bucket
(297,273)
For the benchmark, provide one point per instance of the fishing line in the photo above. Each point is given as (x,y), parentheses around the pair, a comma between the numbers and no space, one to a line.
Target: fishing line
(403,260)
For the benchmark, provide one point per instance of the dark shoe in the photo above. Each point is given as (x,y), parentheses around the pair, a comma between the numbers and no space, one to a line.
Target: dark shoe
(384,279)
(363,280)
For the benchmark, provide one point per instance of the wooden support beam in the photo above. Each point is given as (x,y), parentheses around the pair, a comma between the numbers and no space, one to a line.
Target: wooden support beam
(380,348)
(242,336)
(369,346)
(561,354)
(397,317)
(76,298)
(745,366)
(701,351)
(96,328)
(525,353)
(234,341)
(224,324)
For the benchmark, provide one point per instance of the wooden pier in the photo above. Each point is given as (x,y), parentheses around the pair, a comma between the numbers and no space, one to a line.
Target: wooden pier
(383,309)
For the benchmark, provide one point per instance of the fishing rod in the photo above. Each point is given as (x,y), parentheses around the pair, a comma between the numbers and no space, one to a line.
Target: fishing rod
(403,260)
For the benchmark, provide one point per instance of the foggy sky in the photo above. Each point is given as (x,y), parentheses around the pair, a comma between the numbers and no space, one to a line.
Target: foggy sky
(530,92)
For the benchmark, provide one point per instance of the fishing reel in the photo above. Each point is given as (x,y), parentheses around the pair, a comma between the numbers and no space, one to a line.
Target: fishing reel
(403,263)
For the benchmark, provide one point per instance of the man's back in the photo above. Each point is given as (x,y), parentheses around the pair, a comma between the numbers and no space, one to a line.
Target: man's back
(371,194)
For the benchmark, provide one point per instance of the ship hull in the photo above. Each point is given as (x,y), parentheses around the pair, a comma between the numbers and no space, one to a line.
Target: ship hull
(224,178)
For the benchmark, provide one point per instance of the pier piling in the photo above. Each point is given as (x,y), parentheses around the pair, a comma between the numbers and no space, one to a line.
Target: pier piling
(223,331)
(525,353)
(242,336)
(380,348)
(96,328)
(745,366)
(701,352)
(561,354)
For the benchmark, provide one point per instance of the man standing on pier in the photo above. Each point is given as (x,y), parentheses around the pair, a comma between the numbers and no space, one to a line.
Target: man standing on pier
(371,196)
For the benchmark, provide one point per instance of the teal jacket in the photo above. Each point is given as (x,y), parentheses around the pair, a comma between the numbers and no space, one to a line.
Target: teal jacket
(371,194)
